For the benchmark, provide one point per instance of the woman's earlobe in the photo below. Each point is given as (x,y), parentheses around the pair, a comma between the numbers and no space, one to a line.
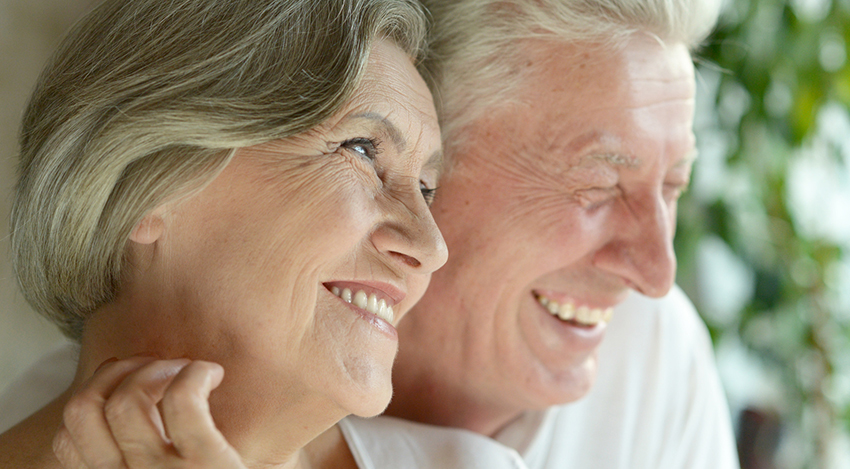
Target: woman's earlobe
(149,229)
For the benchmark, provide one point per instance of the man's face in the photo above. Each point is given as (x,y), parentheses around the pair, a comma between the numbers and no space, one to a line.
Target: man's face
(568,198)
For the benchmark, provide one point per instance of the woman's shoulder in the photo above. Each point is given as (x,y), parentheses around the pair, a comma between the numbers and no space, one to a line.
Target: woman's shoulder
(29,444)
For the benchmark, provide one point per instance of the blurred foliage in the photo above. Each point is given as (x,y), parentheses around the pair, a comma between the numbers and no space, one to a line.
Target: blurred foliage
(764,233)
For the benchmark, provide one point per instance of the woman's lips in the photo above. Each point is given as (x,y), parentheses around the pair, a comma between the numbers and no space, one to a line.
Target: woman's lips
(375,298)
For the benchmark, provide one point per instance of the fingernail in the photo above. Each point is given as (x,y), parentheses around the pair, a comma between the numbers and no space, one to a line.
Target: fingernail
(106,362)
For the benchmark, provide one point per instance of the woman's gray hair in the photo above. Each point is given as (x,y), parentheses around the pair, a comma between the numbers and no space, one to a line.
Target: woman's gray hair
(476,44)
(147,100)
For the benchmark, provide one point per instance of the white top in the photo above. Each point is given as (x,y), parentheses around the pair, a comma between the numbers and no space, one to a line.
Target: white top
(657,404)
(388,442)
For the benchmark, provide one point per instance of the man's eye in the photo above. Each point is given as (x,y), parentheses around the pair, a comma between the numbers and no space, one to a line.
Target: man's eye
(365,147)
(593,198)
(672,192)
(427,193)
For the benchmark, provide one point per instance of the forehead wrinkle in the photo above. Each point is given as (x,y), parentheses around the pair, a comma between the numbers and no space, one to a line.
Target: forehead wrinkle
(592,138)
(656,103)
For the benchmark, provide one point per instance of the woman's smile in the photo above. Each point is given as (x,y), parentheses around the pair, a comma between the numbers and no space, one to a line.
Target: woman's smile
(375,298)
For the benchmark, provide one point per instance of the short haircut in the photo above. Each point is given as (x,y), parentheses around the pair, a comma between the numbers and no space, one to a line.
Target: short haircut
(147,100)
(476,43)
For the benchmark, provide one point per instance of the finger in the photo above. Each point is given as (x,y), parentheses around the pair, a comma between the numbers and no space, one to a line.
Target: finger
(84,419)
(67,454)
(187,417)
(134,417)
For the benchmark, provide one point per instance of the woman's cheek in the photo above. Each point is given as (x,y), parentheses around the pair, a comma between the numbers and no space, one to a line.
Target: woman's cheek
(417,284)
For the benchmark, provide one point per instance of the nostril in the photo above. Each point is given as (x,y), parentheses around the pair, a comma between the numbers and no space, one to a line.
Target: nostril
(411,261)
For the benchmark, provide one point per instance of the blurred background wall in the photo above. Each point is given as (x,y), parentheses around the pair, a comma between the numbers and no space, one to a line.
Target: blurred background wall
(29,31)
(763,237)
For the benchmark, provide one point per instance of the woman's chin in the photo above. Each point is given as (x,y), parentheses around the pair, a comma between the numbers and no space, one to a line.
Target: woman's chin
(375,407)
(370,398)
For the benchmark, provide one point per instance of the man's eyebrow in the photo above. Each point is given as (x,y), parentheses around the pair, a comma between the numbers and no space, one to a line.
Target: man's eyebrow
(614,159)
(395,134)
(627,161)
(589,140)
(594,143)
(689,158)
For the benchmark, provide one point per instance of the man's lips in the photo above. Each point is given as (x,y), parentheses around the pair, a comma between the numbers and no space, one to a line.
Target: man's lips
(569,310)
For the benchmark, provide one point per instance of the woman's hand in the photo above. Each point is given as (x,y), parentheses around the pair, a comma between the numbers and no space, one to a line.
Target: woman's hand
(145,413)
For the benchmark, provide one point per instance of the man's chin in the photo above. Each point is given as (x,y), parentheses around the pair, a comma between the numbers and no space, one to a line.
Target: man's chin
(568,386)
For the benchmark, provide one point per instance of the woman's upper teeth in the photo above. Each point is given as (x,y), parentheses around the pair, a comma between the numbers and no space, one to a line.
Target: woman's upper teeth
(371,303)
(568,312)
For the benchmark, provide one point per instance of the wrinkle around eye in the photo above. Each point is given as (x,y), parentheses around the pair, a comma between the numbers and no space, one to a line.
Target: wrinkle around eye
(360,168)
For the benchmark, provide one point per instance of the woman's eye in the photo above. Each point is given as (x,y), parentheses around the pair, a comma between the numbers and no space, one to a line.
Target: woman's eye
(427,193)
(365,147)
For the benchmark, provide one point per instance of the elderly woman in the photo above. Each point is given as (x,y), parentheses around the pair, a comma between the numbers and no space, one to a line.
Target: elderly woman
(228,195)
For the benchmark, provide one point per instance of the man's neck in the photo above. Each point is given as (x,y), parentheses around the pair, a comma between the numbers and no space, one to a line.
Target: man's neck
(420,399)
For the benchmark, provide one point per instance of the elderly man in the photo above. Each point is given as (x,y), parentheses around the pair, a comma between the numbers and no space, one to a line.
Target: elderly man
(567,127)
(568,131)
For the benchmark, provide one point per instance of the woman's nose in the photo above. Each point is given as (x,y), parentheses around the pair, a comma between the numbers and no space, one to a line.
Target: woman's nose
(411,237)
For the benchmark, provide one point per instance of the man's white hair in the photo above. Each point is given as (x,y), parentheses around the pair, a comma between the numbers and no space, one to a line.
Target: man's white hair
(474,48)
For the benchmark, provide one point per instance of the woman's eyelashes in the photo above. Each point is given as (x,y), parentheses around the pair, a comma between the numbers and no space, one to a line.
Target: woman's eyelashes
(368,148)
(427,193)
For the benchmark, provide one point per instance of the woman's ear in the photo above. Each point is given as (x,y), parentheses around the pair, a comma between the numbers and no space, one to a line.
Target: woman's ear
(150,228)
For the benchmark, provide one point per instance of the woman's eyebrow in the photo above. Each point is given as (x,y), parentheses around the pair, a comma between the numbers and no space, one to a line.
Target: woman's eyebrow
(435,161)
(395,134)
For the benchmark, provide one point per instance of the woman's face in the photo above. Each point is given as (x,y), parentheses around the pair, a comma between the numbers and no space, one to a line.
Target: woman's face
(250,271)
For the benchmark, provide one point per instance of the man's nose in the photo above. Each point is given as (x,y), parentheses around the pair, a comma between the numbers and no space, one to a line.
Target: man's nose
(640,248)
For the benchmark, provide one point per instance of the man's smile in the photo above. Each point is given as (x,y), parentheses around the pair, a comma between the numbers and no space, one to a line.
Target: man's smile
(581,315)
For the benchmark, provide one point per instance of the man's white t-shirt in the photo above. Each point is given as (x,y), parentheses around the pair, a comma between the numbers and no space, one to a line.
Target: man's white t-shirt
(657,404)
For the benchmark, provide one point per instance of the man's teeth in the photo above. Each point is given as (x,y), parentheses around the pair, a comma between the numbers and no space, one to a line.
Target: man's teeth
(583,315)
(371,303)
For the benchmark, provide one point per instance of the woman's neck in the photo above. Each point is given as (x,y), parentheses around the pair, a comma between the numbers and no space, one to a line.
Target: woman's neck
(330,451)
(269,425)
